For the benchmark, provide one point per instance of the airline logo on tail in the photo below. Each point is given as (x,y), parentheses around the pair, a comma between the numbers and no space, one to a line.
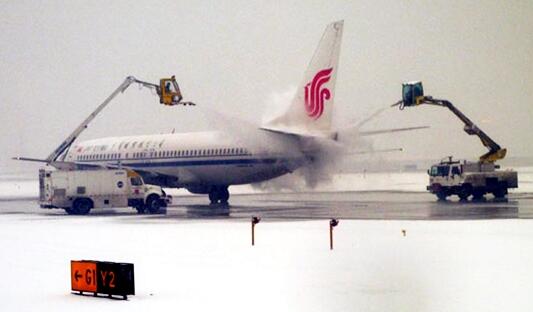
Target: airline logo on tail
(316,94)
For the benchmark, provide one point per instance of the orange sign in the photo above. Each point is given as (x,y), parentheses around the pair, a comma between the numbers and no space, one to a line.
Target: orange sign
(83,275)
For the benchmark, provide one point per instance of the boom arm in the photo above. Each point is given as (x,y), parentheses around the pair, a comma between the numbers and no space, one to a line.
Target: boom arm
(413,94)
(495,151)
(72,137)
(127,82)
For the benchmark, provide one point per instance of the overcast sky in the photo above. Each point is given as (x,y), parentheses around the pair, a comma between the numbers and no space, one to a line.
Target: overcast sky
(60,59)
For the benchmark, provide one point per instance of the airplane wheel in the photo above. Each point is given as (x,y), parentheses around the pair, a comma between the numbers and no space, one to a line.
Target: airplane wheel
(219,194)
(213,197)
(224,195)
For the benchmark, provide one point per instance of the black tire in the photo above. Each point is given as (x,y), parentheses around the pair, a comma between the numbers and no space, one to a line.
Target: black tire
(140,209)
(500,193)
(464,192)
(153,203)
(69,211)
(463,197)
(219,194)
(478,195)
(441,195)
(213,197)
(81,206)
(223,195)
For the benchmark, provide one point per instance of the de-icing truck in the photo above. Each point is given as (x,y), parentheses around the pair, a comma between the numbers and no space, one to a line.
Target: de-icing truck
(79,191)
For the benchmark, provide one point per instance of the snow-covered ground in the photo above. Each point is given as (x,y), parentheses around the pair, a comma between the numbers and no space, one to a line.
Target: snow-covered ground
(185,265)
(199,265)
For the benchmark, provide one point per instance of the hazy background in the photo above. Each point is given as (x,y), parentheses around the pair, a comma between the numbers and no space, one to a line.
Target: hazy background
(58,60)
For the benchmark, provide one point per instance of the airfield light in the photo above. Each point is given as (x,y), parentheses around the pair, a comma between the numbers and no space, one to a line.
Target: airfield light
(255,220)
(332,223)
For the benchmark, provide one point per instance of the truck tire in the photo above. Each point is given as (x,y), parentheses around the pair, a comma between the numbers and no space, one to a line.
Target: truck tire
(69,211)
(81,206)
(478,195)
(464,192)
(140,209)
(153,203)
(441,195)
(463,196)
(500,193)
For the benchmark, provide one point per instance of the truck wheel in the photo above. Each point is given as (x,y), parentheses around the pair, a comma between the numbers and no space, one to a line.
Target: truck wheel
(140,209)
(464,191)
(500,193)
(441,195)
(478,195)
(463,196)
(81,206)
(69,211)
(153,203)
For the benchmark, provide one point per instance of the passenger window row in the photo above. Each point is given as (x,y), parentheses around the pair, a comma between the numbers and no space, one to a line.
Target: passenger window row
(164,154)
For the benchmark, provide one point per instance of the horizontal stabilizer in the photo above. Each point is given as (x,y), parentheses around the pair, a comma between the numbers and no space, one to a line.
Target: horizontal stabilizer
(386,150)
(375,132)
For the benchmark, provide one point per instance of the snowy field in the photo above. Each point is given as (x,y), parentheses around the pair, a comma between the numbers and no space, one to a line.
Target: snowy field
(209,264)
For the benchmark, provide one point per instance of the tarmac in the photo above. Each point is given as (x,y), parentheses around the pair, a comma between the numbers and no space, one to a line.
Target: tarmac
(312,206)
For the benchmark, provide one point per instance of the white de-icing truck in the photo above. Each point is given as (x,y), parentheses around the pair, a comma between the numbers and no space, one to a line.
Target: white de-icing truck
(463,178)
(79,191)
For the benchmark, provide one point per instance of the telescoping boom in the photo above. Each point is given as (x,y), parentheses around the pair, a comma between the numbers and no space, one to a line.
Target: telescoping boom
(413,94)
(463,178)
(169,94)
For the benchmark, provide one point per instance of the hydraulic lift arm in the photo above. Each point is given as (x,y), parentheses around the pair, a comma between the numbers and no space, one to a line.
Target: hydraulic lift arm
(413,95)
(168,91)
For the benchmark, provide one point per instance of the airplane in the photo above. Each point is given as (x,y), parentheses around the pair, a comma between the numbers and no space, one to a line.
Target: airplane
(210,162)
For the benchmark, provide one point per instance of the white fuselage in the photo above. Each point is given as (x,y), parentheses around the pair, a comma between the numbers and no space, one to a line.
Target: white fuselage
(197,159)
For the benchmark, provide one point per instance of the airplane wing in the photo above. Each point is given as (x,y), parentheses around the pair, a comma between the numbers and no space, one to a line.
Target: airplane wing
(65,165)
(148,176)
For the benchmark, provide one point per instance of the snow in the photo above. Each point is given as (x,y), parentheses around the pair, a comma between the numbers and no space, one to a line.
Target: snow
(197,265)
(184,265)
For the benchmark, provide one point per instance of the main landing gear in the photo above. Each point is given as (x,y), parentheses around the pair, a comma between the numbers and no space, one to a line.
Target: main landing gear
(219,194)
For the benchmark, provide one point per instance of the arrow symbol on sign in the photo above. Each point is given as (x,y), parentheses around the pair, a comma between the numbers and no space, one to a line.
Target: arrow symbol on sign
(77,275)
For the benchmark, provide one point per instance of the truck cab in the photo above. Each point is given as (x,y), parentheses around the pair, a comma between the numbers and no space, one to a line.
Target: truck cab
(445,172)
